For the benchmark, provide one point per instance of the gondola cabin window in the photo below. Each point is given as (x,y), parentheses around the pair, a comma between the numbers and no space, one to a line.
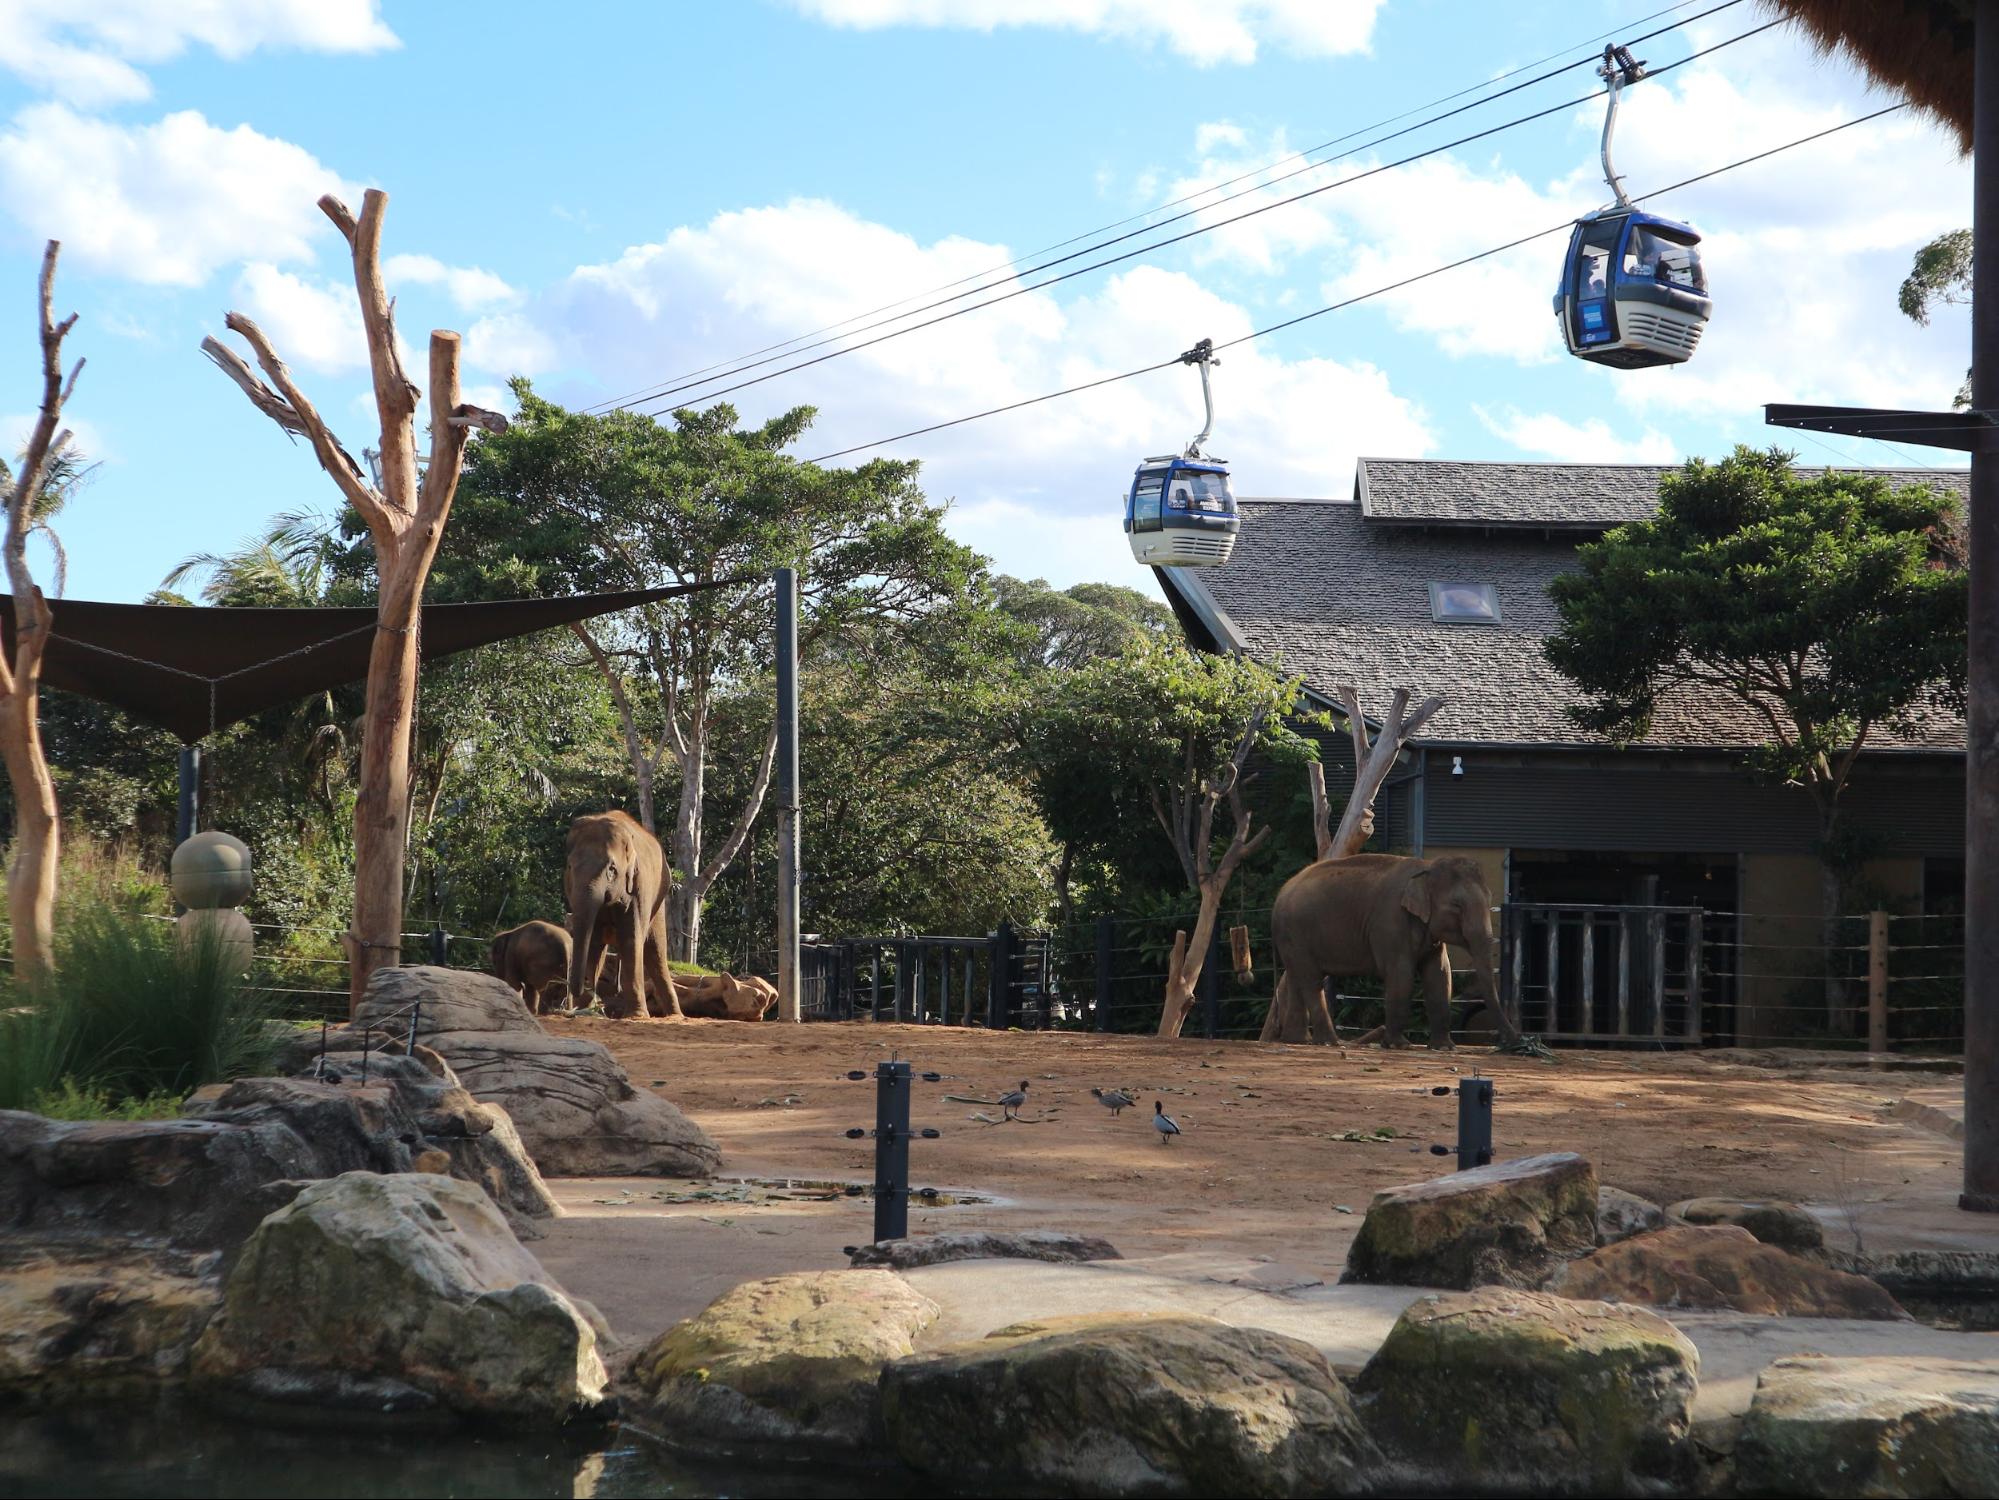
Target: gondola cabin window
(1146,499)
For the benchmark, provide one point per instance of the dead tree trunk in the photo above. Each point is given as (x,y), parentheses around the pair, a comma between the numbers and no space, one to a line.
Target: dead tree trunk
(1373,760)
(31,873)
(1192,829)
(405,517)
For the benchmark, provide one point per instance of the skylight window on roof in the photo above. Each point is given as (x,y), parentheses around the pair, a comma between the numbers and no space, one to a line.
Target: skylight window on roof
(1464,604)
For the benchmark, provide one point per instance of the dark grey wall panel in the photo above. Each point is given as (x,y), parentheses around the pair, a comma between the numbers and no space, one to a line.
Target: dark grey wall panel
(1591,801)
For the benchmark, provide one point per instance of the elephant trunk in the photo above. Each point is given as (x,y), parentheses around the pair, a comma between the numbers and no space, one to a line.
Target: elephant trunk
(1484,956)
(584,909)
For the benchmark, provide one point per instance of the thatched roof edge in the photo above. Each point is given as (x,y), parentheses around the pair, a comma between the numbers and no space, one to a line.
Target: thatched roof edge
(1922,49)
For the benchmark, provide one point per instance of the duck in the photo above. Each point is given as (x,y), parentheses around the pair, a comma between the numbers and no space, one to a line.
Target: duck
(1010,1103)
(1114,1100)
(1164,1123)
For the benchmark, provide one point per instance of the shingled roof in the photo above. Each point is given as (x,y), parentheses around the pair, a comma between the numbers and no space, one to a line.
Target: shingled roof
(1543,497)
(1318,588)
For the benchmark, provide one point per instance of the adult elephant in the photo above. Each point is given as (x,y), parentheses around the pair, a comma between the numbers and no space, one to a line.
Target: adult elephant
(533,959)
(617,881)
(1390,916)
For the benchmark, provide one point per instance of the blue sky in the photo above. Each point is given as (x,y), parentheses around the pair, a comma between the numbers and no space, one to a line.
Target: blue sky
(604,196)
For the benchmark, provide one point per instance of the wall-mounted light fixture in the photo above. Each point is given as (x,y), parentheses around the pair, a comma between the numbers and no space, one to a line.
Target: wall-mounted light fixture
(1457,765)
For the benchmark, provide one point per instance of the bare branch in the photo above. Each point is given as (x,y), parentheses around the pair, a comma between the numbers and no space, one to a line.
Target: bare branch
(395,396)
(340,214)
(333,458)
(266,400)
(477,416)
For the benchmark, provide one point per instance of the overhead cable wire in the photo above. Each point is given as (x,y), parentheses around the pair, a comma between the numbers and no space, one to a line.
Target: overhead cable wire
(787,345)
(1020,291)
(1320,312)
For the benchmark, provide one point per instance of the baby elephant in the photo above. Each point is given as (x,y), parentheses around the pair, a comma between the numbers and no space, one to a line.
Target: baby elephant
(534,959)
(727,998)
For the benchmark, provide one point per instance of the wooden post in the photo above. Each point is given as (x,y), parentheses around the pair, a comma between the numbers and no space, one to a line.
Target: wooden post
(31,869)
(1877,984)
(405,516)
(1211,994)
(998,981)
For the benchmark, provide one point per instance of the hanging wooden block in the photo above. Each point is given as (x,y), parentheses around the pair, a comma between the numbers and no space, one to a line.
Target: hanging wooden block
(1239,951)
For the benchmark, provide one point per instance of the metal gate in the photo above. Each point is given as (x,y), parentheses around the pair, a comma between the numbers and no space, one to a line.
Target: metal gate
(1600,974)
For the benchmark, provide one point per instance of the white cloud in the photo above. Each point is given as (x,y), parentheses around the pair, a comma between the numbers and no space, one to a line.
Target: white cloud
(165,203)
(1549,435)
(468,287)
(92,53)
(508,344)
(1203,31)
(316,324)
(1040,489)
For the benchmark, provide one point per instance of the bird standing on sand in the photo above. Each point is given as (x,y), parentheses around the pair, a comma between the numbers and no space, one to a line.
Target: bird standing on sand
(1164,1123)
(1010,1103)
(1116,1100)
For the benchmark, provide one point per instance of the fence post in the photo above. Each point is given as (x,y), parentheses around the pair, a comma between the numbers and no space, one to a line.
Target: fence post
(1877,982)
(1211,990)
(892,1085)
(1105,937)
(1001,960)
(437,946)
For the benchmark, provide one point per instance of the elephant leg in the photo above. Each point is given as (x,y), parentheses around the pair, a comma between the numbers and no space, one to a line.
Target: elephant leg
(1437,999)
(1319,1016)
(1397,984)
(659,971)
(1291,1030)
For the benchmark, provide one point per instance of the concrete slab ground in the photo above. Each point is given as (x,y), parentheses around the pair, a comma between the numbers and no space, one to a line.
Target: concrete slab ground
(648,1253)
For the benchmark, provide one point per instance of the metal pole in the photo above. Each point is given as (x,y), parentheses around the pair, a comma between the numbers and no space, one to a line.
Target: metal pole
(999,977)
(1981,834)
(1211,995)
(1104,938)
(892,1151)
(188,822)
(786,581)
(1474,1123)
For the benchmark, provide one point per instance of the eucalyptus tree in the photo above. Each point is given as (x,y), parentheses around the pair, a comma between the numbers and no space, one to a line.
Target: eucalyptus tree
(568,500)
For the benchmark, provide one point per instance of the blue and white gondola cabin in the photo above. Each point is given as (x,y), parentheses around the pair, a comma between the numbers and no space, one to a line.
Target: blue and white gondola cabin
(1633,292)
(1180,513)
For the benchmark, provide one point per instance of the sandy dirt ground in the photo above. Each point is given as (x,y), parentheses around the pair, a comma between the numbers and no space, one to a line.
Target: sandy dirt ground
(1267,1170)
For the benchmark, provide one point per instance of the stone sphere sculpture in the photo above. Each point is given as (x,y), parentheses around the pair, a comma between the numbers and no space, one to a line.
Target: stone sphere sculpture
(211,876)
(211,870)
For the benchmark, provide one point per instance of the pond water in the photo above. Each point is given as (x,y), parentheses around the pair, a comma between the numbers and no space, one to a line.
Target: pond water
(172,1447)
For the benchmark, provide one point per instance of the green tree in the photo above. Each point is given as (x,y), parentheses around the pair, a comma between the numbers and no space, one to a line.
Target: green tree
(1940,274)
(566,500)
(1086,622)
(1162,739)
(1825,607)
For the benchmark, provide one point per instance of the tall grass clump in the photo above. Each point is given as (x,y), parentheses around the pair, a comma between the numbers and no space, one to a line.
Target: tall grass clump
(134,1009)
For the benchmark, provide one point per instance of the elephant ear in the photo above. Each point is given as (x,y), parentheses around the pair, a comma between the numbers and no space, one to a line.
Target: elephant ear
(1416,897)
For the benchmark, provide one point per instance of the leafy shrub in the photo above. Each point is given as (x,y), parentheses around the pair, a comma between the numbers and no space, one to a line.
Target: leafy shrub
(74,1101)
(132,1011)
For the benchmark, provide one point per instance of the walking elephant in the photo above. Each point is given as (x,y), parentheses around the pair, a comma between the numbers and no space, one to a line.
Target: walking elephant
(617,881)
(1390,916)
(533,959)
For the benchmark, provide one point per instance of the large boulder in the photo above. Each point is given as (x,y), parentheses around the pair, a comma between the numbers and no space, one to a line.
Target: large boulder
(1887,1427)
(1620,1215)
(574,1106)
(73,1318)
(1514,1223)
(1722,1266)
(983,1244)
(1503,1390)
(404,1292)
(789,1359)
(1127,1404)
(1784,1225)
(412,1107)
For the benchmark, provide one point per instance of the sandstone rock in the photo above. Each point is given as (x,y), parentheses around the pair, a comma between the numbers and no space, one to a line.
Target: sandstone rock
(790,1359)
(1620,1215)
(405,1291)
(574,1106)
(1785,1225)
(1501,1389)
(73,1318)
(1513,1223)
(1126,1404)
(1722,1266)
(411,1108)
(983,1244)
(1879,1427)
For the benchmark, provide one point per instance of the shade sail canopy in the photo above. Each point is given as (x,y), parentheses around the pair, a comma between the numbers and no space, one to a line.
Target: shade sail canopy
(193,670)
